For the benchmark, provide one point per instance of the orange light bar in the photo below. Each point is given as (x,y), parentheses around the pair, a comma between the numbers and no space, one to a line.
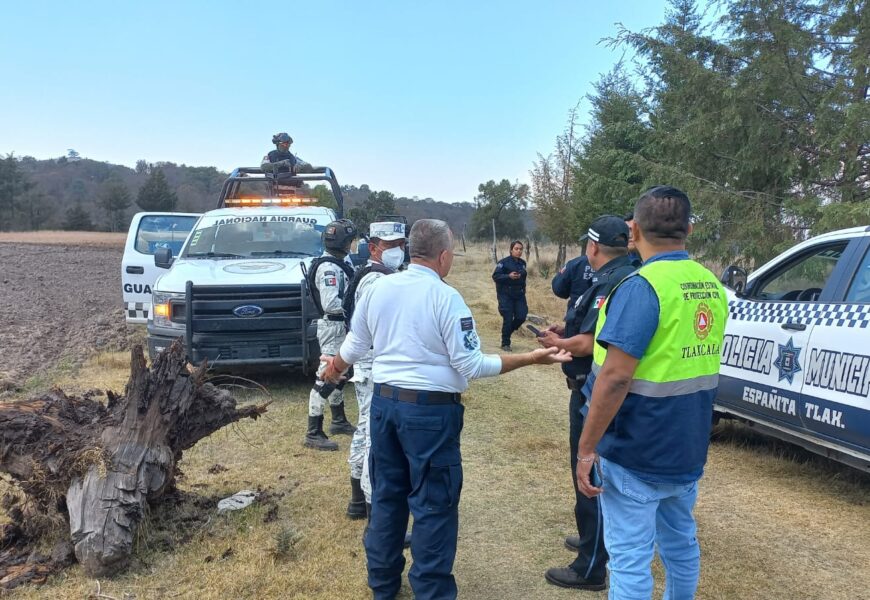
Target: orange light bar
(253,202)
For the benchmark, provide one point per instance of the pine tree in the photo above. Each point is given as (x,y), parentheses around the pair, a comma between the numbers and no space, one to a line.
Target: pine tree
(115,200)
(14,184)
(155,195)
(78,219)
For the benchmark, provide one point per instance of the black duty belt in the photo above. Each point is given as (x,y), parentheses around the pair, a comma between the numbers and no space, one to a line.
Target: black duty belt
(416,396)
(576,385)
(339,318)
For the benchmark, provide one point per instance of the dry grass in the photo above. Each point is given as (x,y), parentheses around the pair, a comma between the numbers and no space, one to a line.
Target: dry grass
(774,522)
(70,238)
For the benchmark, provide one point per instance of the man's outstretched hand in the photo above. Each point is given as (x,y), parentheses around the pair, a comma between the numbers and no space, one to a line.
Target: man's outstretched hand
(550,356)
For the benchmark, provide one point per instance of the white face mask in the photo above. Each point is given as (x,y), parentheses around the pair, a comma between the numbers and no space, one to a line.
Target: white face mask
(393,258)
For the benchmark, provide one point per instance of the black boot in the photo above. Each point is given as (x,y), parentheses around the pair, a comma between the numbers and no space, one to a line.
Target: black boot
(356,508)
(340,424)
(569,578)
(315,438)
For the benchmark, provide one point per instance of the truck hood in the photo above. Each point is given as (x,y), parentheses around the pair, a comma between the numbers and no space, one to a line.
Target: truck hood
(257,271)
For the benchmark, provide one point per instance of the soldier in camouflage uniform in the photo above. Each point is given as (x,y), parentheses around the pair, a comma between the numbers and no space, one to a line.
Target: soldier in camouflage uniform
(331,274)
(387,252)
(281,160)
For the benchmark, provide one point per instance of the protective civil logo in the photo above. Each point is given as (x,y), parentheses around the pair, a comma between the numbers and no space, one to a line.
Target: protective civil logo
(703,321)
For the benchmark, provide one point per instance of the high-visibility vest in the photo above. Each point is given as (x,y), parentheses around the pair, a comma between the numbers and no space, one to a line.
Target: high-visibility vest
(664,424)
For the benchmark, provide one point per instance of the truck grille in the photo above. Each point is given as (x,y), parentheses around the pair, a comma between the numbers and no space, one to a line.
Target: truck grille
(275,327)
(212,309)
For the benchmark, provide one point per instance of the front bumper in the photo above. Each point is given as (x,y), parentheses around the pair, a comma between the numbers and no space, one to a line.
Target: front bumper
(222,350)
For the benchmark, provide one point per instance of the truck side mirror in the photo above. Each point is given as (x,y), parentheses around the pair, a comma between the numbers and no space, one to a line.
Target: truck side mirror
(735,278)
(163,257)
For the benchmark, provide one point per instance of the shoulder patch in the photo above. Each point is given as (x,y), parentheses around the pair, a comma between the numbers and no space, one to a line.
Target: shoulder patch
(599,301)
(466,324)
(471,341)
(500,265)
(330,281)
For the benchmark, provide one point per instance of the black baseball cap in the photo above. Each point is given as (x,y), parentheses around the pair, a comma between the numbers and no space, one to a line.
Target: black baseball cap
(608,230)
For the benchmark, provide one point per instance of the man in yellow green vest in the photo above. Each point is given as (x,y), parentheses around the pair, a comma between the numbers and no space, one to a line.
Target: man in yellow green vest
(654,376)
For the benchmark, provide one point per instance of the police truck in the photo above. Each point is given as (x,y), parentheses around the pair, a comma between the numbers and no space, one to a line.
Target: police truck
(796,354)
(230,282)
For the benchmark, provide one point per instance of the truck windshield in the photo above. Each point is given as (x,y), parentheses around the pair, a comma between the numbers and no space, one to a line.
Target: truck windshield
(255,239)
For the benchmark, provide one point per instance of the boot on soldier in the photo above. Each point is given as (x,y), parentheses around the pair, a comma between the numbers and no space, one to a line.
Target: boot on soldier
(315,438)
(356,508)
(340,424)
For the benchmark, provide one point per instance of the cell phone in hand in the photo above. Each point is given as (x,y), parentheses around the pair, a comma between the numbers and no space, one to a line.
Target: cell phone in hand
(534,330)
(595,475)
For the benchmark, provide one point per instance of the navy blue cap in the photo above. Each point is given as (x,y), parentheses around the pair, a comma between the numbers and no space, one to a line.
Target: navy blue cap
(608,230)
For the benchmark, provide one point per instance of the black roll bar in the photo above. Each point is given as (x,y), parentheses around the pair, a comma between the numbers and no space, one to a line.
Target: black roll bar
(230,188)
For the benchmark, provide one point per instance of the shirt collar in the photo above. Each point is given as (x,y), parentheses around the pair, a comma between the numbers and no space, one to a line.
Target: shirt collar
(423,271)
(672,255)
(615,263)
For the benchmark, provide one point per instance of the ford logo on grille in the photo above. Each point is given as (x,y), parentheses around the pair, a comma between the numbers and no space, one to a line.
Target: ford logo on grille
(248,310)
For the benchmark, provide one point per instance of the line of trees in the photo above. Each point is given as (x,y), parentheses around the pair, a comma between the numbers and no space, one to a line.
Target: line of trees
(76,193)
(762,115)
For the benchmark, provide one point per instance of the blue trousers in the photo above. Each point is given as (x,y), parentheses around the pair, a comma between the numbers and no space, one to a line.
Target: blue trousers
(415,466)
(640,517)
(513,311)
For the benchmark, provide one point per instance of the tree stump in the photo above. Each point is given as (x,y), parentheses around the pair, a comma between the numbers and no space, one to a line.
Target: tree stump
(104,462)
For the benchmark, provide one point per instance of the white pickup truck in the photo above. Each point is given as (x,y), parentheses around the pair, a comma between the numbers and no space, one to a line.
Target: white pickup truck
(796,354)
(230,282)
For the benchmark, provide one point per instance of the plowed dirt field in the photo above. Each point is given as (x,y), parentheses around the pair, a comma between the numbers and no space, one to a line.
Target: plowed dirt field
(59,303)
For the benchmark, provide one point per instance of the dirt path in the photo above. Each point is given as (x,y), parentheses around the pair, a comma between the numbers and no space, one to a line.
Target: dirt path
(58,304)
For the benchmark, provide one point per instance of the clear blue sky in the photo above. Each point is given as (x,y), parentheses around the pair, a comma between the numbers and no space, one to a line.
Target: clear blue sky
(418,98)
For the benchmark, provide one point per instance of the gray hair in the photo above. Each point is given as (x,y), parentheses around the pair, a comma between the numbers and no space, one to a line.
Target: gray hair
(429,238)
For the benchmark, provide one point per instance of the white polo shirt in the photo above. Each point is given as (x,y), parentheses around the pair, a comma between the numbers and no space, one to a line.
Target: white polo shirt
(421,332)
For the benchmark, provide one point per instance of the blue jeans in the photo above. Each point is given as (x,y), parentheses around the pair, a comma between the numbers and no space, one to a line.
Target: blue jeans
(640,517)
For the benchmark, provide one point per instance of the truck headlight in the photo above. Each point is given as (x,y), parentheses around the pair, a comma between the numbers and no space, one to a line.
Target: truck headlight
(165,306)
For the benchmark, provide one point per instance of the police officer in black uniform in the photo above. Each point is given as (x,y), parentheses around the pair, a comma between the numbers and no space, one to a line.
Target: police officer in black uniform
(572,280)
(607,251)
(281,160)
(510,286)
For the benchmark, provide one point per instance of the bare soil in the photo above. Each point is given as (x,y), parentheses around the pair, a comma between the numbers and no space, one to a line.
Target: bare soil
(59,304)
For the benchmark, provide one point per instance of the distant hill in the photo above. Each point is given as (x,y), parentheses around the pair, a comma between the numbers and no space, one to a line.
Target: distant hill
(63,183)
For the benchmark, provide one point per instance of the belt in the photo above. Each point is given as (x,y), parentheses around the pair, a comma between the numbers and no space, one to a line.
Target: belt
(416,396)
(339,318)
(576,385)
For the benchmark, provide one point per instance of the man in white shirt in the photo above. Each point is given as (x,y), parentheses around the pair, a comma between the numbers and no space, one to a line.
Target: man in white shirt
(426,349)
